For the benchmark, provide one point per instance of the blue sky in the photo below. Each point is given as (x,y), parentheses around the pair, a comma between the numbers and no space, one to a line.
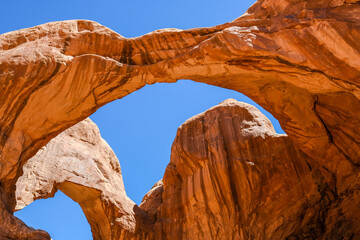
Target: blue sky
(140,127)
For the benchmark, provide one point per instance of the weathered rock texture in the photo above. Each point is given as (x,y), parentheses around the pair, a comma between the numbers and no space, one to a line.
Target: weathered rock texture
(83,166)
(298,59)
(232,177)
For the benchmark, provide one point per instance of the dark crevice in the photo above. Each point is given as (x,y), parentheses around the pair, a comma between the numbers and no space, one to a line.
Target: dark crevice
(126,54)
(307,162)
(66,45)
(330,137)
(316,226)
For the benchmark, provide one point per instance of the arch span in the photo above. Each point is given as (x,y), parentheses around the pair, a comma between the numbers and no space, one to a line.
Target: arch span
(82,165)
(57,74)
(55,218)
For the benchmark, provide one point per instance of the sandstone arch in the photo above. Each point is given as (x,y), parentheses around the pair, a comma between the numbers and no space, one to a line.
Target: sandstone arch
(57,74)
(230,177)
(82,165)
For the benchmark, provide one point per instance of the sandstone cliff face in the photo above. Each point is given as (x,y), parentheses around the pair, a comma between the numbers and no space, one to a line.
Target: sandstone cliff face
(298,59)
(232,177)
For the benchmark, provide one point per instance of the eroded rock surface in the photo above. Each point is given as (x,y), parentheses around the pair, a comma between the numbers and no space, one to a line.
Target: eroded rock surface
(298,59)
(83,166)
(232,177)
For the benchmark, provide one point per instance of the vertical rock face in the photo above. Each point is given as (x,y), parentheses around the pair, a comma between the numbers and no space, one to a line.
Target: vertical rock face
(232,177)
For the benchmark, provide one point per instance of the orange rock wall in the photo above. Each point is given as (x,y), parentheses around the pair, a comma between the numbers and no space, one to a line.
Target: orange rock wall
(232,177)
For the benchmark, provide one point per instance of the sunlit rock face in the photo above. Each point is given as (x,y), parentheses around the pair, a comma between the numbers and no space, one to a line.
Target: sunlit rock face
(83,166)
(298,59)
(232,177)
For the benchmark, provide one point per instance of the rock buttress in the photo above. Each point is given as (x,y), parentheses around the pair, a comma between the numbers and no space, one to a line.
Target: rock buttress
(232,177)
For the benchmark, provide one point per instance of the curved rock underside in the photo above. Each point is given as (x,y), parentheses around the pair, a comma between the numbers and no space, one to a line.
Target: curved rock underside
(83,166)
(300,60)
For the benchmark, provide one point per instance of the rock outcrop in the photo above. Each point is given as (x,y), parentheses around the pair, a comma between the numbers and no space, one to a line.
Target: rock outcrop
(232,177)
(298,59)
(83,166)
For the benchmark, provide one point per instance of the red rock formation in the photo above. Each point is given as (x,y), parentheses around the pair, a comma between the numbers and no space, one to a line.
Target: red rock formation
(152,201)
(232,177)
(298,59)
(83,166)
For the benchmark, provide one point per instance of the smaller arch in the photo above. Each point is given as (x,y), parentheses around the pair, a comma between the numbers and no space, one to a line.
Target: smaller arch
(83,166)
(60,216)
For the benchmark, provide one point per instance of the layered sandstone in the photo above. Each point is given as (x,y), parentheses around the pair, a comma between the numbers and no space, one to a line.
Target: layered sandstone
(298,59)
(232,177)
